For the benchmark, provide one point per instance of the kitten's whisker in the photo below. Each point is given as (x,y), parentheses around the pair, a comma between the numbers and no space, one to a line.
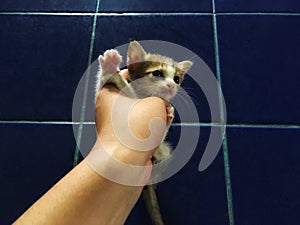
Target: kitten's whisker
(155,92)
(194,56)
(184,103)
(191,93)
(182,98)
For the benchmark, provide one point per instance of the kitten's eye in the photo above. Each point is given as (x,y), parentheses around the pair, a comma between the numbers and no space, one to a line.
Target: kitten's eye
(177,79)
(157,73)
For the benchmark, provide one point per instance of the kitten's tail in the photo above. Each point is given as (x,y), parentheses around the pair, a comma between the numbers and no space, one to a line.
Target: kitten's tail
(152,205)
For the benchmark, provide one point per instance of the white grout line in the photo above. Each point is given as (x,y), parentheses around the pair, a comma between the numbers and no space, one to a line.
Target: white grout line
(155,14)
(224,143)
(266,126)
(148,14)
(44,122)
(107,13)
(86,87)
(201,124)
(261,126)
(46,14)
(258,14)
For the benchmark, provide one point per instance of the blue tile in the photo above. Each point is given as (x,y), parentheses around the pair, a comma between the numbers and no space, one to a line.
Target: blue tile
(192,32)
(257,6)
(48,6)
(265,175)
(190,197)
(42,60)
(33,158)
(259,58)
(156,6)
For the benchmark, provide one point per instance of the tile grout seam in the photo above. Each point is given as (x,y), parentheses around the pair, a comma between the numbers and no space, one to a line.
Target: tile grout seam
(224,143)
(151,13)
(85,91)
(203,124)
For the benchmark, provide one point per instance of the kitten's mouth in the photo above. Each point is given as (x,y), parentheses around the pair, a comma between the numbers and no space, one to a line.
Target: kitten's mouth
(171,91)
(167,94)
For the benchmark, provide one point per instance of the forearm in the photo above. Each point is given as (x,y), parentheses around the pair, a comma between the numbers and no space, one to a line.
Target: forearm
(83,197)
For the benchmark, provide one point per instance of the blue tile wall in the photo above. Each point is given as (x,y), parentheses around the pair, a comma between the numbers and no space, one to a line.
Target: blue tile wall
(258,57)
(40,54)
(192,32)
(288,6)
(34,157)
(252,47)
(156,6)
(182,196)
(200,41)
(265,175)
(48,6)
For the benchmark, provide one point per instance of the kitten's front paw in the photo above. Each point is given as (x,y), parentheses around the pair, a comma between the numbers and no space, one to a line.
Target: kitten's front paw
(110,61)
(170,114)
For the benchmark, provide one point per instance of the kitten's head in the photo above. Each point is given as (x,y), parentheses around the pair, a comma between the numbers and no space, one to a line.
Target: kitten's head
(161,76)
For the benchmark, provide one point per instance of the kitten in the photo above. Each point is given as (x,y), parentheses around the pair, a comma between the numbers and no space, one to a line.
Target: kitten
(161,77)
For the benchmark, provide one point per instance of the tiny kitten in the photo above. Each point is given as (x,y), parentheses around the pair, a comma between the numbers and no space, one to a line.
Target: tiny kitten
(149,75)
(160,76)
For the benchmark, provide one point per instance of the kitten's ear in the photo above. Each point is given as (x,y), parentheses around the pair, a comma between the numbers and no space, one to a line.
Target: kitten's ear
(135,53)
(184,66)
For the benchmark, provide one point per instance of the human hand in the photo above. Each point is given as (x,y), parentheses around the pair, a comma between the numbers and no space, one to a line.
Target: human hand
(142,112)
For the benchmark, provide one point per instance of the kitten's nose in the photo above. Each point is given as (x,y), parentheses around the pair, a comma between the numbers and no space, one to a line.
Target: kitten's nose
(170,85)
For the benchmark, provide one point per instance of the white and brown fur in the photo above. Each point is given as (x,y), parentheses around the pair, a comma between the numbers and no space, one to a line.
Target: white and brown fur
(153,75)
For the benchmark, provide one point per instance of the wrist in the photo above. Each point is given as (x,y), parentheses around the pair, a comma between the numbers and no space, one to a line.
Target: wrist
(118,151)
(119,164)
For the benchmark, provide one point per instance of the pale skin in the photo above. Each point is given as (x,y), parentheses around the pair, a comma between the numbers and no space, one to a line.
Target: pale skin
(83,196)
